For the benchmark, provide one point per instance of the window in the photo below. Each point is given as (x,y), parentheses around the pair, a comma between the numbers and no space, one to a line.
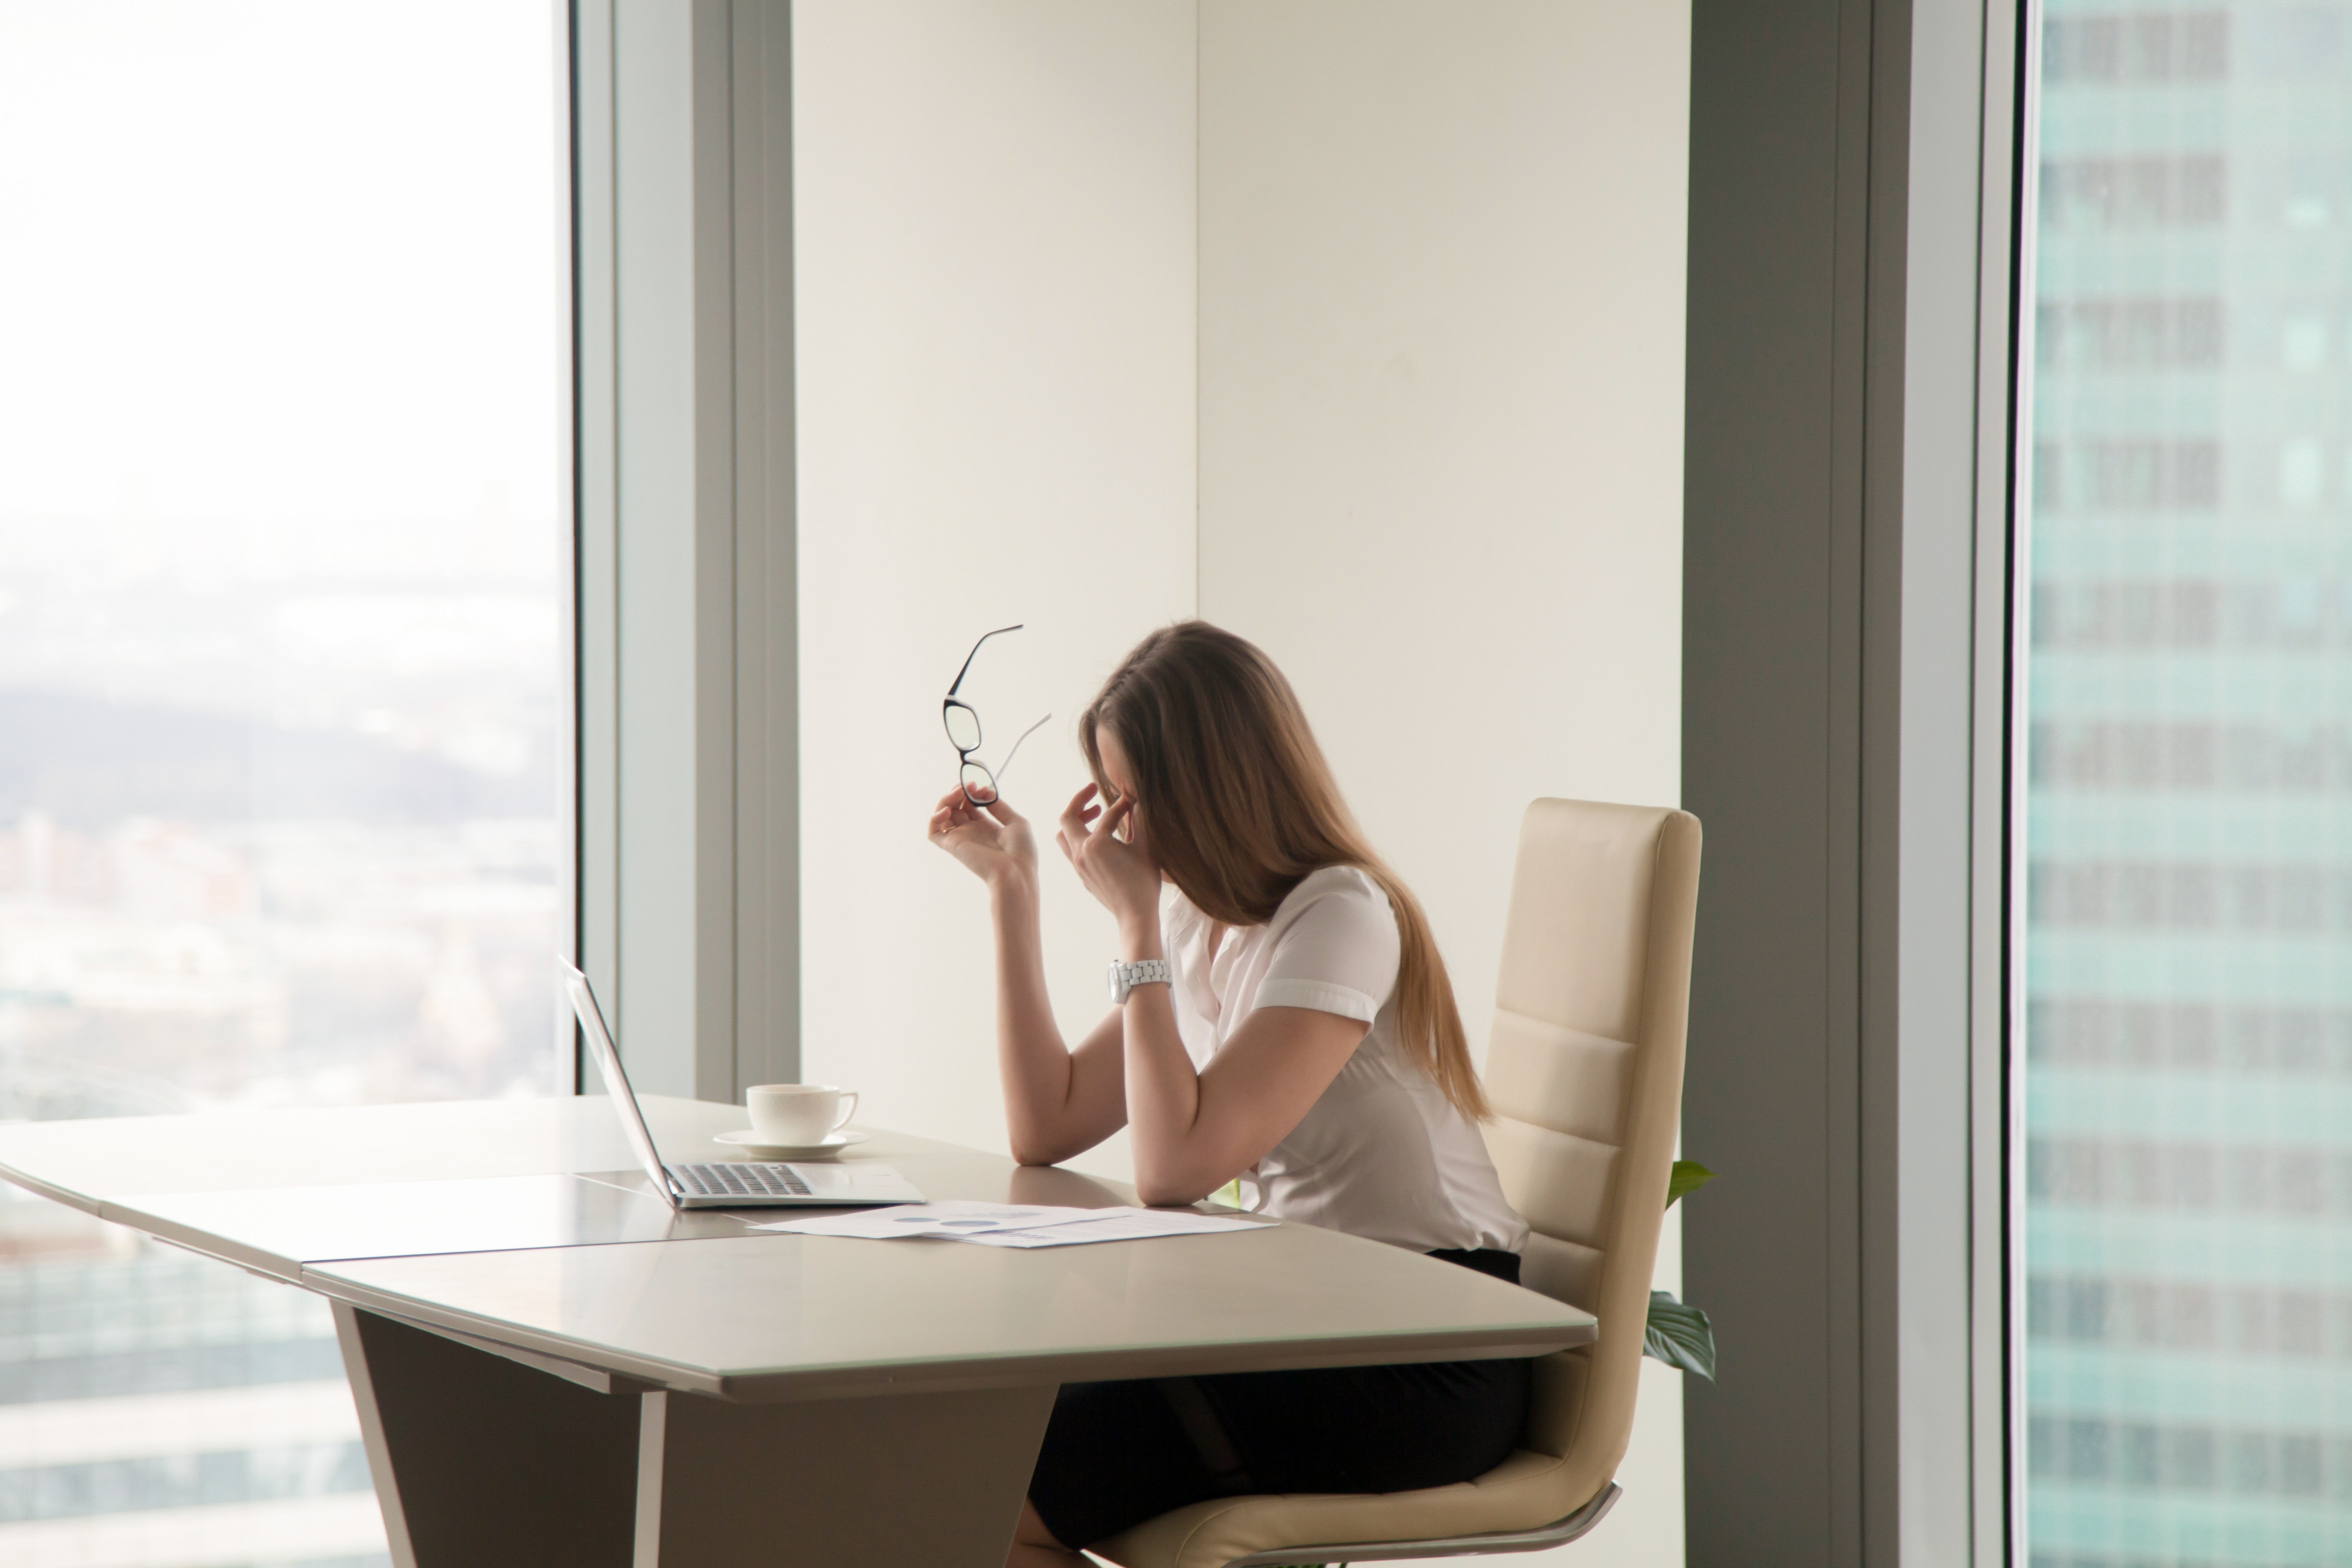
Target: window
(282,431)
(2187,1061)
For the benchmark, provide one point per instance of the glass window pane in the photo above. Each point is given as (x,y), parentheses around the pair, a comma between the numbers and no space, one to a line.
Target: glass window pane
(2187,1039)
(281,432)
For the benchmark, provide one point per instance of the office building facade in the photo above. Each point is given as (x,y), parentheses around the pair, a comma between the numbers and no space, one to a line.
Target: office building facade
(2187,718)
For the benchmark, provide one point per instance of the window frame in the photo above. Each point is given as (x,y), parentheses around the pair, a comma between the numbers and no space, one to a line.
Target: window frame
(687,657)
(1846,718)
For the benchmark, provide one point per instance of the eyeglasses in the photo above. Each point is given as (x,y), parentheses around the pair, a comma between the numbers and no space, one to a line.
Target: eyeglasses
(964,733)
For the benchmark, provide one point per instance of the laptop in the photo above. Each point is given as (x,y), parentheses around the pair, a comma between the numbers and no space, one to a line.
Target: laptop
(727,1184)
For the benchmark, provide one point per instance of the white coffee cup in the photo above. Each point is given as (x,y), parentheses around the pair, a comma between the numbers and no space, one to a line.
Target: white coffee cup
(798,1115)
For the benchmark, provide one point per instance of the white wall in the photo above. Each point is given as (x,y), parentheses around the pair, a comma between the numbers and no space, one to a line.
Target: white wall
(1441,441)
(995,249)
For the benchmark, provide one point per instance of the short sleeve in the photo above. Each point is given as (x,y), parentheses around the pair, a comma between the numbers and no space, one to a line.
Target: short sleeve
(1335,947)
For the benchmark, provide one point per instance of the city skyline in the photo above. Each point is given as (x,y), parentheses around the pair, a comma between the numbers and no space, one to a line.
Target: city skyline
(282,454)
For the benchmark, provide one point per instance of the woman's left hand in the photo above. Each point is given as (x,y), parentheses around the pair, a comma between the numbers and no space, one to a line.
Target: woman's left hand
(1120,872)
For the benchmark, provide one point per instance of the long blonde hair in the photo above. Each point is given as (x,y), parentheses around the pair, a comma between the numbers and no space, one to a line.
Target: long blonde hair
(1239,806)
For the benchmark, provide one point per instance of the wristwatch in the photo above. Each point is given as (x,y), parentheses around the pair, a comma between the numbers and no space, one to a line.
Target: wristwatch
(1125,977)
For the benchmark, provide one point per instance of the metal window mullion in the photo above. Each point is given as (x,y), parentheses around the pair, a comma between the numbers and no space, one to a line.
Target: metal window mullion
(766,591)
(2011,444)
(595,464)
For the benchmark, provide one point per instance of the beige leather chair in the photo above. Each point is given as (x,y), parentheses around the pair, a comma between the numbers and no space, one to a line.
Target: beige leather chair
(1585,1071)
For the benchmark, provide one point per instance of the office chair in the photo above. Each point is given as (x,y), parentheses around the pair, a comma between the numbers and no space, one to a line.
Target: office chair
(1584,1071)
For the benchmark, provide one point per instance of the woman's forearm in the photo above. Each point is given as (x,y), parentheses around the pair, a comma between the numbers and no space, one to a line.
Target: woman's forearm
(1173,1163)
(1030,1054)
(1057,1102)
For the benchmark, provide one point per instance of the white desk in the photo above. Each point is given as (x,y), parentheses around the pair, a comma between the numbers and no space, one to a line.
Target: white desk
(551,1368)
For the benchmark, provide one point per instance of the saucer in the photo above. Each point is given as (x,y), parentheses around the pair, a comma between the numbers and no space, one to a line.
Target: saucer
(749,1139)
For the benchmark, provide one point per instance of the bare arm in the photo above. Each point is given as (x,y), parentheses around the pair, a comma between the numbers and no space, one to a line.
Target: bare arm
(1195,1131)
(1057,1102)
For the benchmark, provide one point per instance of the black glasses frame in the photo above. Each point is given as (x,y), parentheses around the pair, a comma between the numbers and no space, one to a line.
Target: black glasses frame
(979,785)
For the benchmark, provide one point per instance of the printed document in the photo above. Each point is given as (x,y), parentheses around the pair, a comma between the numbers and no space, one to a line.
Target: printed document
(955,1217)
(1119,1225)
(1013,1225)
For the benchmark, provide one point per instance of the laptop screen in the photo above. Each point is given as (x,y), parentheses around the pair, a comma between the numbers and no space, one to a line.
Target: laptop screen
(616,1080)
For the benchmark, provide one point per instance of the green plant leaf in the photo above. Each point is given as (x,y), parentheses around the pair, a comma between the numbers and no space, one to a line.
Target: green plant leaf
(1679,1335)
(1689,1177)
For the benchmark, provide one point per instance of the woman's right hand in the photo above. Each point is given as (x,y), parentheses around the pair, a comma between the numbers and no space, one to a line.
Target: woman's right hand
(992,842)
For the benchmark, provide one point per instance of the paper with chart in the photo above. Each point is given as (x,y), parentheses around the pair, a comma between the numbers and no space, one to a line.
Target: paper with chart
(1013,1225)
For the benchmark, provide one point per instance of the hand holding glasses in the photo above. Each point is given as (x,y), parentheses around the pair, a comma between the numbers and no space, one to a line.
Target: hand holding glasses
(964,733)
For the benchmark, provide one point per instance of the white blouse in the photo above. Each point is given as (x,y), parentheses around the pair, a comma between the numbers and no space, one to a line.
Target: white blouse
(1382,1152)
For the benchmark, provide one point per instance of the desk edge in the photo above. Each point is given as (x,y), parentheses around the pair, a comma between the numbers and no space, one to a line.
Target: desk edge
(81,1202)
(857,1380)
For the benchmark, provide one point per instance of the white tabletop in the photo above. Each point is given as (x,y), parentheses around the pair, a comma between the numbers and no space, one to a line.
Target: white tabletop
(717,1308)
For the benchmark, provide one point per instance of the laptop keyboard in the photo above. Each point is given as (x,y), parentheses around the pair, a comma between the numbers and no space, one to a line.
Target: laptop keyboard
(730,1178)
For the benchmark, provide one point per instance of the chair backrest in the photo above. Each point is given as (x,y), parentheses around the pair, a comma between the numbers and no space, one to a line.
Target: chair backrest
(1584,1072)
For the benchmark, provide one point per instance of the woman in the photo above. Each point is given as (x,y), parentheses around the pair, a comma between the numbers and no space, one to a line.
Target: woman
(1301,1034)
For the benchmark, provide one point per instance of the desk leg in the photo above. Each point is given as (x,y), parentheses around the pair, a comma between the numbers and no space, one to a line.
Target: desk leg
(480,1462)
(889,1481)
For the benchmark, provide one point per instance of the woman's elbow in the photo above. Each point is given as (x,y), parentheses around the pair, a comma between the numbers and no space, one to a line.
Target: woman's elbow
(1030,1152)
(1171,1191)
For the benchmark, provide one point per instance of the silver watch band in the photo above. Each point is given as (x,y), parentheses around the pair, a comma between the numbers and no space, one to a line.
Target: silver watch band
(1125,976)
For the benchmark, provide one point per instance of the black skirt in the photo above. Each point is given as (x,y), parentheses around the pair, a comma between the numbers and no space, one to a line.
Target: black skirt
(1117,1453)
